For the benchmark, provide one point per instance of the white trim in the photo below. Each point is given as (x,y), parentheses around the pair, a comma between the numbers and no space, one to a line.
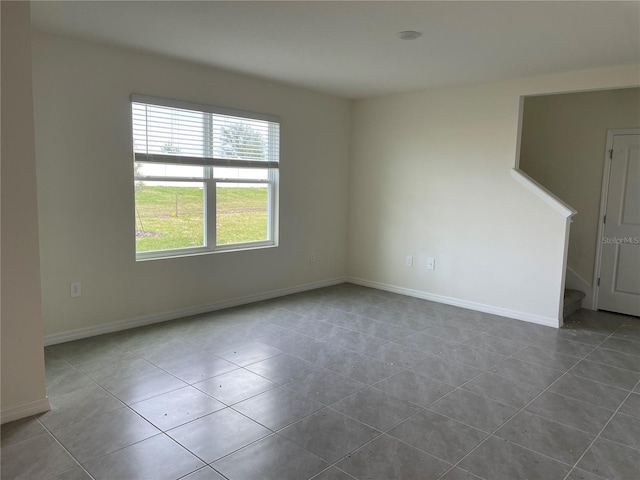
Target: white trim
(519,137)
(548,197)
(563,273)
(456,302)
(606,173)
(143,320)
(24,410)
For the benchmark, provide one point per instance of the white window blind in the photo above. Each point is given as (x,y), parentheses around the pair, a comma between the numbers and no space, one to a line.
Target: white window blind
(170,131)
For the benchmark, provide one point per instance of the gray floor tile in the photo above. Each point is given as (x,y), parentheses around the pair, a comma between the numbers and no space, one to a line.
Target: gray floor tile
(387,458)
(405,320)
(135,388)
(321,353)
(571,412)
(428,344)
(498,459)
(631,406)
(616,377)
(414,388)
(588,391)
(623,429)
(546,358)
(611,460)
(277,408)
(235,386)
(104,434)
(474,357)
(450,332)
(37,457)
(140,461)
(549,438)
(175,408)
(376,408)
(332,473)
(356,341)
(325,386)
(495,344)
(66,380)
(247,353)
(283,368)
(502,389)
(524,372)
(594,321)
(168,353)
(78,405)
(393,334)
(321,330)
(565,347)
(20,430)
(581,335)
(459,474)
(206,473)
(272,458)
(474,410)
(622,345)
(76,473)
(199,367)
(630,330)
(218,434)
(378,329)
(397,355)
(520,333)
(364,369)
(615,359)
(53,362)
(87,350)
(329,434)
(577,474)
(127,364)
(438,435)
(454,374)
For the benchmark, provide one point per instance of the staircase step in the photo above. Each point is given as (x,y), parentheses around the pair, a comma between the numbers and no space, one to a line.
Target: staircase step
(572,301)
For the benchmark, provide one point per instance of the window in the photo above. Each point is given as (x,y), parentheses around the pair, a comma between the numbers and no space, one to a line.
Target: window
(206,178)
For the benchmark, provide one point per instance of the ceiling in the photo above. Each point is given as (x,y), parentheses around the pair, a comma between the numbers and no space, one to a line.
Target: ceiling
(350,49)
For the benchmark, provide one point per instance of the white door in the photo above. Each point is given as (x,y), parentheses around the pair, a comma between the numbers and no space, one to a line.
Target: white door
(620,261)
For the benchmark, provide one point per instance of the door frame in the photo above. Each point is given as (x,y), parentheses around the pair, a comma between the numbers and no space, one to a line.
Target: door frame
(608,152)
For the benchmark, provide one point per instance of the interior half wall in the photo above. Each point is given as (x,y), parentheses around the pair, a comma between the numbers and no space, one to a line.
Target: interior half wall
(430,177)
(563,148)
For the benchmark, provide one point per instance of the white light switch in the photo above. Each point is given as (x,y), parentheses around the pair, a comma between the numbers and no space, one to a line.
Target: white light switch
(431,263)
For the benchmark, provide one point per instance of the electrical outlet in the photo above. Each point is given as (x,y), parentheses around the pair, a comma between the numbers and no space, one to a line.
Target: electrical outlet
(431,263)
(312,257)
(76,289)
(409,261)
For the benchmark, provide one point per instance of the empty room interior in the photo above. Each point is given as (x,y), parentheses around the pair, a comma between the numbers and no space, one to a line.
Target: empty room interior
(320,240)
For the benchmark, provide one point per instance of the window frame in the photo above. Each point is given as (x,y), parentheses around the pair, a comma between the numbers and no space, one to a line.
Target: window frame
(210,182)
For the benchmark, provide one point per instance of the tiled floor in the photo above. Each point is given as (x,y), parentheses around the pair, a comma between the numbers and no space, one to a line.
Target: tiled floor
(340,383)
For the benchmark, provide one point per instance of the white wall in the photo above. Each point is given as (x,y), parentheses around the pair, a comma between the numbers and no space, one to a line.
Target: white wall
(86,196)
(563,148)
(23,390)
(430,176)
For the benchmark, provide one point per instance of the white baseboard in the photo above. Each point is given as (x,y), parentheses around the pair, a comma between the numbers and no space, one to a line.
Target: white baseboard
(24,410)
(575,282)
(456,302)
(143,320)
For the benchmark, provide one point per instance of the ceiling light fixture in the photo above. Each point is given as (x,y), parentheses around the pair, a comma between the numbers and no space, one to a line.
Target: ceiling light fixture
(409,35)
